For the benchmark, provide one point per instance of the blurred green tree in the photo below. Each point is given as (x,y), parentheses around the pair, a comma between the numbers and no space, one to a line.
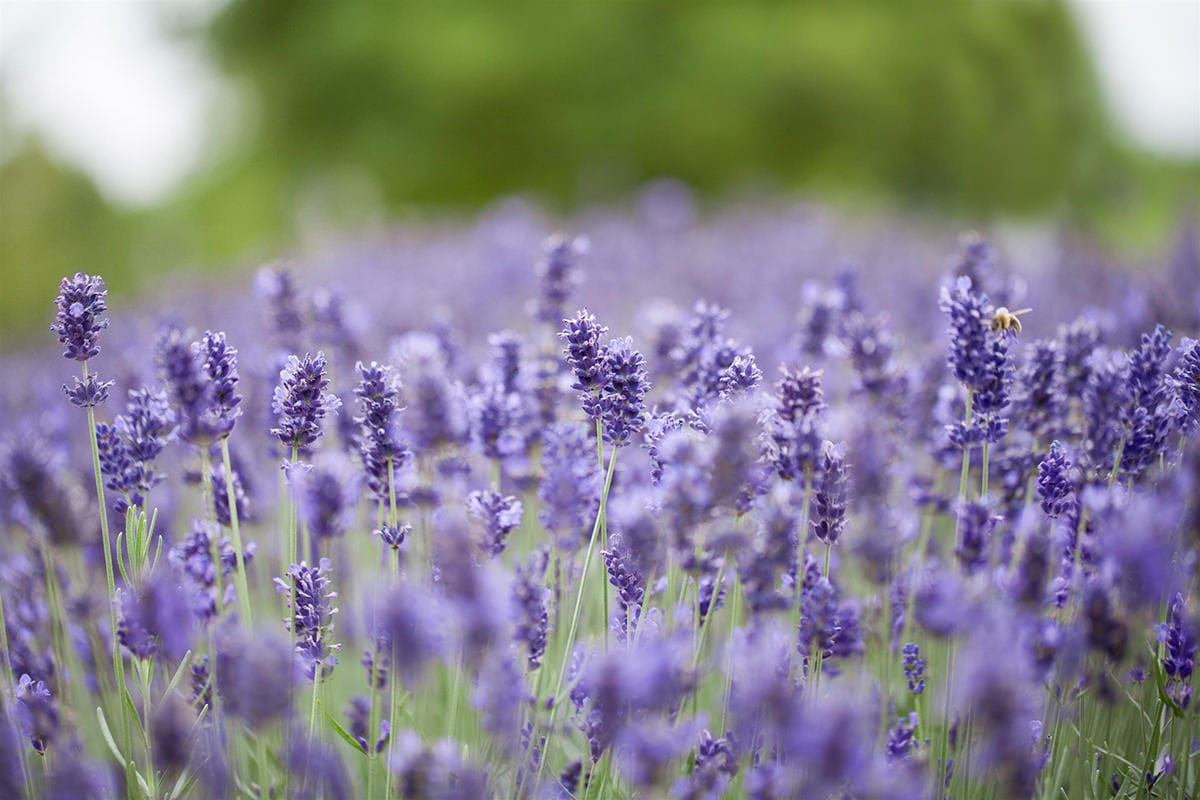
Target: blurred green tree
(358,109)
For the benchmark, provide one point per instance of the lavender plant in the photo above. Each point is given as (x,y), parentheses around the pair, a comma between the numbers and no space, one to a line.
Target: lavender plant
(900,565)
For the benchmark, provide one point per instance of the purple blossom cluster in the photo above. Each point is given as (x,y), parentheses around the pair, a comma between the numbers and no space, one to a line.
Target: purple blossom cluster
(804,537)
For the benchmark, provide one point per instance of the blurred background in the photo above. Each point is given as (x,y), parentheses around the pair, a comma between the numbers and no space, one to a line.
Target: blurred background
(138,138)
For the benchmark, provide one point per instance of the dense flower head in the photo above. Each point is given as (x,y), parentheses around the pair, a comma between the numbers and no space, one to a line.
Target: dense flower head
(902,737)
(1106,405)
(301,401)
(382,453)
(220,495)
(829,496)
(587,358)
(221,369)
(624,413)
(129,446)
(1054,483)
(79,315)
(970,352)
(312,616)
(1041,402)
(183,373)
(1148,365)
(708,364)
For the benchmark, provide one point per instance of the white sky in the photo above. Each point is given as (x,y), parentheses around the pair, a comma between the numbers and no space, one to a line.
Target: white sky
(110,91)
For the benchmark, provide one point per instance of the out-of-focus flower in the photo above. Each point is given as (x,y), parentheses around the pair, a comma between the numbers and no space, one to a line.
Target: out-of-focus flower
(500,515)
(558,275)
(326,493)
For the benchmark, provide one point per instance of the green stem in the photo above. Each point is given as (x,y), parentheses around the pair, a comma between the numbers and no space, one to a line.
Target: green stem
(1112,476)
(603,531)
(106,543)
(235,531)
(983,480)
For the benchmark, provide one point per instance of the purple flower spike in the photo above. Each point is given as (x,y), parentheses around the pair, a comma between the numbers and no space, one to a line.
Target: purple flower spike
(378,394)
(829,499)
(80,315)
(587,358)
(220,367)
(624,412)
(312,616)
(301,401)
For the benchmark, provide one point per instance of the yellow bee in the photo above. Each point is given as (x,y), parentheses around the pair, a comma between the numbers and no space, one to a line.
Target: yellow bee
(1007,321)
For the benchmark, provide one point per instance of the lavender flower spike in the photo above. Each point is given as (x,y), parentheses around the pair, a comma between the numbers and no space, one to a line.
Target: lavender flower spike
(382,453)
(220,367)
(624,412)
(829,500)
(587,359)
(968,352)
(312,616)
(301,401)
(80,315)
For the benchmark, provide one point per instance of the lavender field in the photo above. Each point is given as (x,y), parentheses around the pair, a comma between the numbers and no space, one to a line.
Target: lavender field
(747,503)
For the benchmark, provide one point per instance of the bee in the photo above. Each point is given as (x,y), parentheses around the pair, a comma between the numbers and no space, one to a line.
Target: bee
(1007,321)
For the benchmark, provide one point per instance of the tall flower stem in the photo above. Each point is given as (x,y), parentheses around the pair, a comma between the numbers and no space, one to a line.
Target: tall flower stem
(235,532)
(110,577)
(983,480)
(570,643)
(603,523)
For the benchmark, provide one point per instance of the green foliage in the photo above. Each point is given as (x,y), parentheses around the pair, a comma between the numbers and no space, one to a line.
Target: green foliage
(973,107)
